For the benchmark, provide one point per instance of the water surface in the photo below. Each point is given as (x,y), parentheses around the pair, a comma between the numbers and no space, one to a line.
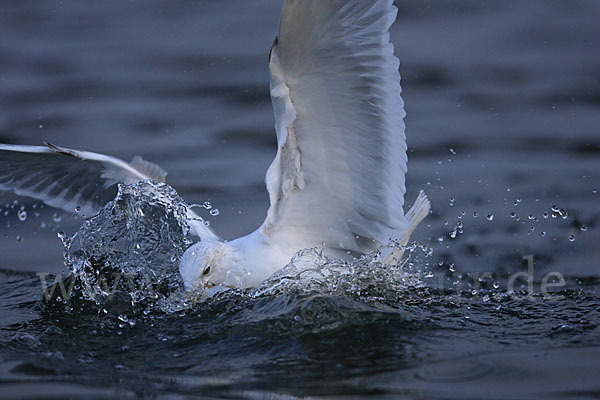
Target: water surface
(502,101)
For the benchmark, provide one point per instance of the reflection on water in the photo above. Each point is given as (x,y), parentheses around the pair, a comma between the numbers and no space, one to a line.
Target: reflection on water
(502,102)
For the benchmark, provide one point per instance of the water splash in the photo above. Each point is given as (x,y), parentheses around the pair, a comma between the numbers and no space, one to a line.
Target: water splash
(130,250)
(22,214)
(368,278)
(125,260)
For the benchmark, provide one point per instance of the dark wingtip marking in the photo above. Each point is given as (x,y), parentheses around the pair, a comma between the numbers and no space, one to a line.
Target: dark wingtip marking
(275,43)
(61,150)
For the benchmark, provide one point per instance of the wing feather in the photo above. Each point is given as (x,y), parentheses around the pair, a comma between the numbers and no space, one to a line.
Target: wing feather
(66,178)
(338,175)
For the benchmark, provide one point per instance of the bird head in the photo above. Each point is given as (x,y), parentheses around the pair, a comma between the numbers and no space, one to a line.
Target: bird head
(208,264)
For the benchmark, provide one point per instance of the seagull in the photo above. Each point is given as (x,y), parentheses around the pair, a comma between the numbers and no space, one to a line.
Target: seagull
(337,182)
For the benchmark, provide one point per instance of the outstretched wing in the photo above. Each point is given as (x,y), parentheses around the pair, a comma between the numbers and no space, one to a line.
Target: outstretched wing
(70,179)
(65,178)
(338,176)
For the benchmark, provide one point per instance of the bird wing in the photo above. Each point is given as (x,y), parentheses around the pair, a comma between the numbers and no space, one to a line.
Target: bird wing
(70,179)
(338,176)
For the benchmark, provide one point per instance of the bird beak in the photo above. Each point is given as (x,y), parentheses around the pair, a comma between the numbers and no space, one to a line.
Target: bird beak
(209,285)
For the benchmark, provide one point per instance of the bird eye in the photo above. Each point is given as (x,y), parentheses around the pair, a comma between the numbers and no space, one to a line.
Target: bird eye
(206,271)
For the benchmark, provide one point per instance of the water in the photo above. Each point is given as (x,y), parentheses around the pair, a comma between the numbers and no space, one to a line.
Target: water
(131,249)
(502,102)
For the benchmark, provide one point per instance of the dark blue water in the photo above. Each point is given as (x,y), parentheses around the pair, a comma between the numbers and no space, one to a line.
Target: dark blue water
(503,102)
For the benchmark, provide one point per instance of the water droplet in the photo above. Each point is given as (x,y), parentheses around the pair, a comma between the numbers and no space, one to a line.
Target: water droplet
(214,212)
(571,238)
(78,209)
(42,225)
(513,214)
(207,205)
(451,268)
(19,238)
(496,285)
(61,235)
(584,228)
(490,217)
(531,217)
(451,203)
(452,151)
(594,191)
(56,217)
(475,215)
(22,215)
(543,233)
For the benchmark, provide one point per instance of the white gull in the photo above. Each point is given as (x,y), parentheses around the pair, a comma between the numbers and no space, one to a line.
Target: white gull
(338,179)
